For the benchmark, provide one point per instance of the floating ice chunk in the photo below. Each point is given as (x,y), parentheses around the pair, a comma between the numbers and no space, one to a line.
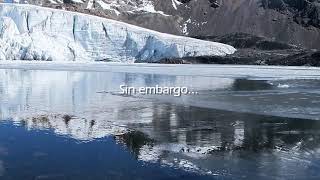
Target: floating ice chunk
(283,86)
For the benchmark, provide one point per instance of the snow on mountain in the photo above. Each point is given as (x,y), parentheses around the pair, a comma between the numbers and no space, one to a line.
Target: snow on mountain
(77,1)
(120,6)
(117,6)
(35,33)
(106,6)
(291,21)
(176,3)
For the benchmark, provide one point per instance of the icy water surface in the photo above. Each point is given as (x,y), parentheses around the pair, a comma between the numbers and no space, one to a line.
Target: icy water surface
(77,125)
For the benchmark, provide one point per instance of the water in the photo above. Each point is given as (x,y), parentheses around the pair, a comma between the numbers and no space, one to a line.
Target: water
(77,125)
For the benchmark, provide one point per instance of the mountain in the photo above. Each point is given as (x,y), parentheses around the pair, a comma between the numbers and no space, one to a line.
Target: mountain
(291,21)
(254,50)
(36,33)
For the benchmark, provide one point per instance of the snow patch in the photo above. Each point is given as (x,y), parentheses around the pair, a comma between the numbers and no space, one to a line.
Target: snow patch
(147,6)
(107,6)
(185,27)
(176,3)
(90,4)
(283,86)
(52,1)
(77,1)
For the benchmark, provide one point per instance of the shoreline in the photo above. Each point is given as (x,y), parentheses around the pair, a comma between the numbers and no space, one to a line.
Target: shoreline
(214,70)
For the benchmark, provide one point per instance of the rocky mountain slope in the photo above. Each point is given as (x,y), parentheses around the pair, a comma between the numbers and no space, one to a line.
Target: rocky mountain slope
(291,21)
(254,50)
(29,32)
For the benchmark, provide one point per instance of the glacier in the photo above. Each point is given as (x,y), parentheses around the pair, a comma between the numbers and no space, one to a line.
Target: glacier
(29,32)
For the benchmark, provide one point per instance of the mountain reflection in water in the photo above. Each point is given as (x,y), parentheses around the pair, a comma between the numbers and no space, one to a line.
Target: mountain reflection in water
(80,117)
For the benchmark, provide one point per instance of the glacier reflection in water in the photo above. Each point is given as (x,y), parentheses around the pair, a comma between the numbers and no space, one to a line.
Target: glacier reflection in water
(86,110)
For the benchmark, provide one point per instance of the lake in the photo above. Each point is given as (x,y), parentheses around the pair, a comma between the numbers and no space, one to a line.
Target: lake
(71,121)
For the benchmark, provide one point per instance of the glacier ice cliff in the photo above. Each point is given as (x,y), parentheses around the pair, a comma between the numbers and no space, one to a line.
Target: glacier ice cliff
(30,32)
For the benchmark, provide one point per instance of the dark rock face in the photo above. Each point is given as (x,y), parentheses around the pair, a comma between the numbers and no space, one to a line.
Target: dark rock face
(243,40)
(68,1)
(255,57)
(290,21)
(254,50)
(184,1)
(305,12)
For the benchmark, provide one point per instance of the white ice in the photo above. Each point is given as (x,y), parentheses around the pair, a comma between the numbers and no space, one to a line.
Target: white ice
(36,33)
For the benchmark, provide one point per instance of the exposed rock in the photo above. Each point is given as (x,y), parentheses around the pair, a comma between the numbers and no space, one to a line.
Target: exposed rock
(305,12)
(249,57)
(243,40)
(255,51)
